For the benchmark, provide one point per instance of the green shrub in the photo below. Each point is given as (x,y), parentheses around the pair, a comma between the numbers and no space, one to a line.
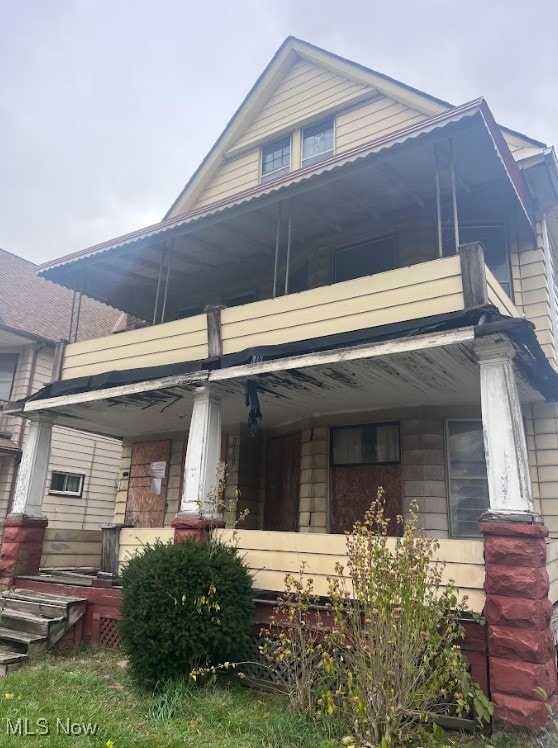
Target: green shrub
(184,606)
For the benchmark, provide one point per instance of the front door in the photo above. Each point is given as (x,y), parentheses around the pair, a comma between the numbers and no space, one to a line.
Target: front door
(282,484)
(147,484)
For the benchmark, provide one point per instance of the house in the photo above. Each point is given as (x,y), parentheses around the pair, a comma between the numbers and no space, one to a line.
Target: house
(355,289)
(80,486)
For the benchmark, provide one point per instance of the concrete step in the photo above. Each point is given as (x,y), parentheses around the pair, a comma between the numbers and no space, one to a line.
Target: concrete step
(31,623)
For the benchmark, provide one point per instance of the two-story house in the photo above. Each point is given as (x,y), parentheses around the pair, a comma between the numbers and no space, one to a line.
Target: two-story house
(80,486)
(355,289)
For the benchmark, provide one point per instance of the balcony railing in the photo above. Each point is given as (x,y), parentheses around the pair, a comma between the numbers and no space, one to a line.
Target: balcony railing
(440,286)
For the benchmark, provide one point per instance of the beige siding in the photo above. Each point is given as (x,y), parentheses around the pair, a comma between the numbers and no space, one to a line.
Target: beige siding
(431,288)
(271,555)
(541,421)
(235,175)
(370,120)
(552,568)
(67,548)
(134,539)
(498,297)
(423,459)
(95,457)
(304,93)
(535,296)
(171,342)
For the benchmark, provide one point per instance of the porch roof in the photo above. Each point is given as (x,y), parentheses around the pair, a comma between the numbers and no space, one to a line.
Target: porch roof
(391,173)
(434,368)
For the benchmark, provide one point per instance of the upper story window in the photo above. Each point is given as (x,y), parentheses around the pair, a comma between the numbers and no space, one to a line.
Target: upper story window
(367,258)
(317,142)
(276,159)
(8,363)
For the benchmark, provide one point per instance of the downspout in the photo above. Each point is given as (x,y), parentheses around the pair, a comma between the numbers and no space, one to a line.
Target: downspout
(38,349)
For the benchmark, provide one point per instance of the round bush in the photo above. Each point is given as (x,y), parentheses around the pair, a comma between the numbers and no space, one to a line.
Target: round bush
(184,606)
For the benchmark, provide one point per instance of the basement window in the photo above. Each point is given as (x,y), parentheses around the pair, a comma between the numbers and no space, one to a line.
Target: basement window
(317,142)
(467,477)
(369,444)
(66,484)
(276,159)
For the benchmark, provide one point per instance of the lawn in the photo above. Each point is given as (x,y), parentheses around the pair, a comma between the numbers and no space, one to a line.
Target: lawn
(57,701)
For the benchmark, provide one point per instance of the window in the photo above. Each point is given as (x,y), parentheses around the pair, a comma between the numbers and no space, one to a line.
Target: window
(370,444)
(368,258)
(493,239)
(317,142)
(68,484)
(8,363)
(468,482)
(276,159)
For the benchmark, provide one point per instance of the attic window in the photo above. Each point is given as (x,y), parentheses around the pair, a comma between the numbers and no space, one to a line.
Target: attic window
(276,159)
(317,142)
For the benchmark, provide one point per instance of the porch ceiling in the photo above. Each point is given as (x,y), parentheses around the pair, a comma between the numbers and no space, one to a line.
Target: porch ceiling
(223,245)
(444,375)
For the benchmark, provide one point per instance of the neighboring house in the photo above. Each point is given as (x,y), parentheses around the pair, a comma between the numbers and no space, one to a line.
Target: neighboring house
(34,316)
(372,271)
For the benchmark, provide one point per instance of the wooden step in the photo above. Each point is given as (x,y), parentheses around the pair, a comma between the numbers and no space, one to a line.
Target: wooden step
(31,623)
(20,641)
(11,660)
(47,598)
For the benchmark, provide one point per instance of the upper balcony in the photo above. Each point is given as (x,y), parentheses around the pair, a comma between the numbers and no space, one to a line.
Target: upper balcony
(420,292)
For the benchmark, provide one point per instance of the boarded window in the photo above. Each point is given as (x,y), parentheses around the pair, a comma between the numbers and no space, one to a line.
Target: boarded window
(468,481)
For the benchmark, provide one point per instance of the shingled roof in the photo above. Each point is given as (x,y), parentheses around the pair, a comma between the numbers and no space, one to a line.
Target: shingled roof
(34,306)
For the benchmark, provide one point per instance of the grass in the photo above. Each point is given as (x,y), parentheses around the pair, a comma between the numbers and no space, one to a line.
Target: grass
(93,687)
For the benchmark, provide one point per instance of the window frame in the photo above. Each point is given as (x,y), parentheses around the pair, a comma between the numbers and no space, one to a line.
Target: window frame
(316,158)
(355,245)
(15,358)
(451,532)
(65,492)
(375,424)
(269,176)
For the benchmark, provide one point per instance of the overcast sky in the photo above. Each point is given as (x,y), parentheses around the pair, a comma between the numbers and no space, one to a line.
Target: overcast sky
(108,106)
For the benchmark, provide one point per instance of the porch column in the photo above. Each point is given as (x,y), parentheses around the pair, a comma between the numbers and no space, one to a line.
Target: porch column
(505,446)
(198,505)
(24,527)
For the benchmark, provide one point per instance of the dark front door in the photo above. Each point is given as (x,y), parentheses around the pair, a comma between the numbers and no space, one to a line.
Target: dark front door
(354,487)
(282,483)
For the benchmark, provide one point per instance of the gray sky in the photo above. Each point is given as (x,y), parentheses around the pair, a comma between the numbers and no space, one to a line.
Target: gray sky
(108,106)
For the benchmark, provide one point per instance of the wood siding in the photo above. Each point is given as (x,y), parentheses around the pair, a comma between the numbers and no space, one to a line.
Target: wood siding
(235,175)
(272,555)
(67,548)
(373,119)
(171,342)
(498,297)
(541,422)
(97,459)
(134,539)
(394,296)
(305,93)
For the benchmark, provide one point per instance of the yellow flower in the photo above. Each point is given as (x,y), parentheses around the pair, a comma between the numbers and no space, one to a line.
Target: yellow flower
(8,696)
(109,744)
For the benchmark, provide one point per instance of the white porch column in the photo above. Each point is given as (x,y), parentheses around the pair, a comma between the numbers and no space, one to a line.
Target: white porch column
(202,457)
(507,462)
(33,469)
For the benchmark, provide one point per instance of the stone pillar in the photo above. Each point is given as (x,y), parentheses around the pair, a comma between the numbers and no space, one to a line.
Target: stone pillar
(521,649)
(198,505)
(24,527)
(507,461)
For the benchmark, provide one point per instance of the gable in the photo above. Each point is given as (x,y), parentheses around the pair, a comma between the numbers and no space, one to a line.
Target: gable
(304,93)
